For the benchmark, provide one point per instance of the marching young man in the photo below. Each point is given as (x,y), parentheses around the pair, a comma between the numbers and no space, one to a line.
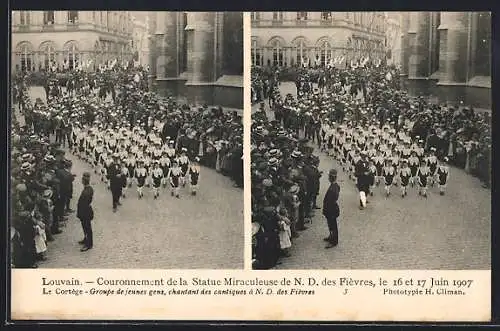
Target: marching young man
(194,175)
(423,175)
(140,176)
(174,176)
(443,173)
(404,175)
(157,176)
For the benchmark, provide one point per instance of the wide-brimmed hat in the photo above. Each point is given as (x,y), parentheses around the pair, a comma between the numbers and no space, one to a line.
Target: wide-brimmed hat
(47,194)
(26,166)
(294,189)
(272,161)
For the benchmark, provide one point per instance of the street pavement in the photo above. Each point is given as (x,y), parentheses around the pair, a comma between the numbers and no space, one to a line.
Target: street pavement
(441,232)
(194,232)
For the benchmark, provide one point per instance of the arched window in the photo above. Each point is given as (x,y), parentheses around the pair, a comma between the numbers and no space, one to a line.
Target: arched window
(71,55)
(47,55)
(324,52)
(256,54)
(277,53)
(300,51)
(25,55)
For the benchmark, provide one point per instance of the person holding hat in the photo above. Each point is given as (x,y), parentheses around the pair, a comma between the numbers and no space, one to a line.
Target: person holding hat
(85,212)
(331,209)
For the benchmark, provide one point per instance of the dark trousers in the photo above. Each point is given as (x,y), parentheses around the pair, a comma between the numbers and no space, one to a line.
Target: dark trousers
(333,228)
(300,221)
(67,201)
(116,192)
(57,214)
(87,232)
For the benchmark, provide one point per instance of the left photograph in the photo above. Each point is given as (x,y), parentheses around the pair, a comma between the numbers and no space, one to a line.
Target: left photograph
(126,140)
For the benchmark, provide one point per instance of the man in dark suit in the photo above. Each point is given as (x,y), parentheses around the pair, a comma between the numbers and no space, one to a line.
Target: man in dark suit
(331,209)
(116,181)
(85,212)
(363,180)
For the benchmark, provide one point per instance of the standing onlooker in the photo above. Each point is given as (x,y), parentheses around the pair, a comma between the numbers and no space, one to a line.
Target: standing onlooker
(331,209)
(85,212)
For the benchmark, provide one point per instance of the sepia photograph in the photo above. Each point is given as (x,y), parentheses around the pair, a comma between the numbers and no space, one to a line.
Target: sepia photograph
(126,140)
(371,140)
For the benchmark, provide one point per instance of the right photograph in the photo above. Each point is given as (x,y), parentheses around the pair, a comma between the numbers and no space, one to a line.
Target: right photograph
(371,140)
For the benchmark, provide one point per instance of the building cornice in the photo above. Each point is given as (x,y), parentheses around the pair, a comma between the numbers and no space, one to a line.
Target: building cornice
(68,28)
(319,26)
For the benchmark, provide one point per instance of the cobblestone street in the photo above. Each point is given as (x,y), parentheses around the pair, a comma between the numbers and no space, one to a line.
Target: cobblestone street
(441,232)
(203,231)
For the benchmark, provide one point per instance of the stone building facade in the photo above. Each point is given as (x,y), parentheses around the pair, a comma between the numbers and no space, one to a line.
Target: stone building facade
(285,38)
(45,38)
(448,55)
(140,39)
(198,55)
(393,38)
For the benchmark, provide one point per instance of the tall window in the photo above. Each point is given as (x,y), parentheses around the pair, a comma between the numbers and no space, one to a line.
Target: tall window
(71,56)
(109,19)
(256,54)
(185,43)
(324,51)
(25,17)
(302,16)
(73,17)
(277,16)
(300,51)
(483,49)
(326,16)
(25,53)
(48,17)
(48,55)
(255,16)
(277,54)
